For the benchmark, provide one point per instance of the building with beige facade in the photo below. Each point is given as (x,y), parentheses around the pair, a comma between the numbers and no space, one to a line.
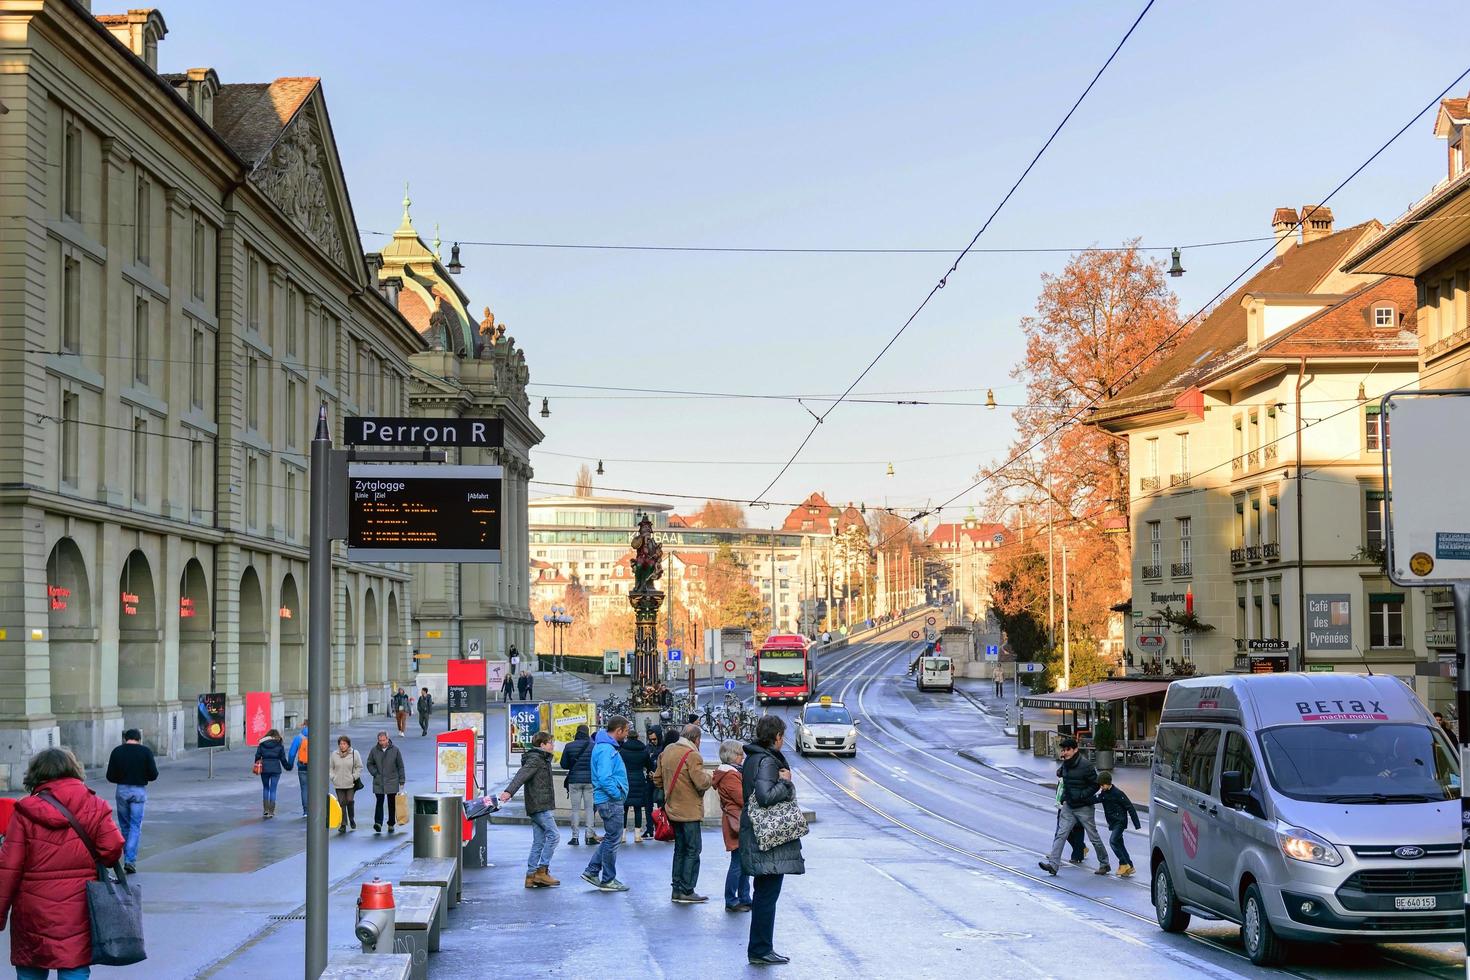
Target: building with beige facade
(182,286)
(1256,481)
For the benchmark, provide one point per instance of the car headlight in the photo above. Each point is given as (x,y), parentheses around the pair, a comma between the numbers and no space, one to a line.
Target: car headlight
(1303,845)
(852,733)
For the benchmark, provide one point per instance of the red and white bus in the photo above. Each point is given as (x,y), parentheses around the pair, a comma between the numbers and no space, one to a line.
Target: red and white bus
(785,669)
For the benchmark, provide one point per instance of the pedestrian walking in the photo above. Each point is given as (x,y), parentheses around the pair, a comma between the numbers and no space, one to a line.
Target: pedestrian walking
(1117,810)
(530,694)
(576,759)
(345,772)
(1077,796)
(680,774)
(270,761)
(639,802)
(507,688)
(515,659)
(385,764)
(132,767)
(535,776)
(609,789)
(45,866)
(400,710)
(299,755)
(523,687)
(766,779)
(426,708)
(727,781)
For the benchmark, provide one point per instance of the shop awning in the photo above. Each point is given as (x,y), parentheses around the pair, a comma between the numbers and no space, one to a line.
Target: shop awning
(1100,692)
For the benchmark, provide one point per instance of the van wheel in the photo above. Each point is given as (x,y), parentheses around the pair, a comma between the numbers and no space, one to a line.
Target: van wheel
(1264,947)
(1166,902)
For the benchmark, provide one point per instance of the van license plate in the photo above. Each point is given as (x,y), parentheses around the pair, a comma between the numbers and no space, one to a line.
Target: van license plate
(1414,903)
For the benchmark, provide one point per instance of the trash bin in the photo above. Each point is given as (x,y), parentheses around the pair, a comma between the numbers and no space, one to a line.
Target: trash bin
(437,825)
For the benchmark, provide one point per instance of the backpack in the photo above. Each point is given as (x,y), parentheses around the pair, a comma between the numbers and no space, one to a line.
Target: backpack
(302,754)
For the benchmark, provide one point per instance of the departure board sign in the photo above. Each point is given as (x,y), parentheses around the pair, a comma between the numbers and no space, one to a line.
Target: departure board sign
(425,513)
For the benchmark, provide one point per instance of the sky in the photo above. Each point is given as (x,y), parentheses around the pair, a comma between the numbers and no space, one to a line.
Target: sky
(827,125)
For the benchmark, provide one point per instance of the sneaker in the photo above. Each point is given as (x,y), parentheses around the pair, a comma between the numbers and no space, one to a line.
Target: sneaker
(130,868)
(574,842)
(1104,870)
(377,829)
(593,839)
(1049,868)
(591,879)
(690,898)
(612,886)
(1125,871)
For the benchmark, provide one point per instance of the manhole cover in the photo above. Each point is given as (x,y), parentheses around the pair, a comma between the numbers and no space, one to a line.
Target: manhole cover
(986,935)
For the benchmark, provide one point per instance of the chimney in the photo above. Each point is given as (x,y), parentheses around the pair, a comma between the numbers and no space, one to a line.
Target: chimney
(1316,222)
(1282,224)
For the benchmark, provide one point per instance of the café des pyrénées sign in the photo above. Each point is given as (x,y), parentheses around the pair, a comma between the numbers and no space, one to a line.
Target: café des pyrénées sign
(474,433)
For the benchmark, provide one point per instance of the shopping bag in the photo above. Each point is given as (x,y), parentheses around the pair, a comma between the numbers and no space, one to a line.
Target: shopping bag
(400,809)
(114,906)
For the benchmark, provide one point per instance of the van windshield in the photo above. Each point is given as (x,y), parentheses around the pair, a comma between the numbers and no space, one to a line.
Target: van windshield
(1355,763)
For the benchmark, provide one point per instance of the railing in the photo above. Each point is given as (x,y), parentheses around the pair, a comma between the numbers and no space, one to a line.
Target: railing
(1179,479)
(1153,571)
(1270,551)
(1253,552)
(1147,483)
(1446,343)
(1439,638)
(1236,465)
(1237,556)
(1270,452)
(1181,569)
(1253,459)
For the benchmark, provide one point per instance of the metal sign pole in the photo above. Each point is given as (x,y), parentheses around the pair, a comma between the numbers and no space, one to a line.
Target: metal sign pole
(318,684)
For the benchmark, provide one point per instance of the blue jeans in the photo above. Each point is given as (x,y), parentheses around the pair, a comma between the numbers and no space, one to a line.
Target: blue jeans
(737,882)
(130,802)
(268,782)
(1115,840)
(301,775)
(604,862)
(544,839)
(39,973)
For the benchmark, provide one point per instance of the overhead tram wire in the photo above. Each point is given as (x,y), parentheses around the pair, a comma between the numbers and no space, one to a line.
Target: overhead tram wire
(1092,401)
(819,419)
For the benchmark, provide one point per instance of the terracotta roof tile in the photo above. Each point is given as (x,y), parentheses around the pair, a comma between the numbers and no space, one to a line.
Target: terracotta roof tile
(251,116)
(413,308)
(981,535)
(1457,108)
(1223,332)
(1346,329)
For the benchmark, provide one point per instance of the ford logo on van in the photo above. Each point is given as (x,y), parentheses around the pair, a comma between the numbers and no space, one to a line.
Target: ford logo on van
(1409,852)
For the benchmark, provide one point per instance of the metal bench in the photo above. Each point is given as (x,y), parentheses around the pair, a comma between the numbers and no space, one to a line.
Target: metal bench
(368,966)
(416,924)
(440,873)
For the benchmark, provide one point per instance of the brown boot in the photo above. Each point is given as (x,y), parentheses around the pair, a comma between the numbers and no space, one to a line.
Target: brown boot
(543,877)
(533,880)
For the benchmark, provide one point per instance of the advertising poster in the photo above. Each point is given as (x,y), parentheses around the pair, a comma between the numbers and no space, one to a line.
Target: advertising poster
(210,720)
(565,717)
(612,662)
(526,719)
(257,716)
(495,675)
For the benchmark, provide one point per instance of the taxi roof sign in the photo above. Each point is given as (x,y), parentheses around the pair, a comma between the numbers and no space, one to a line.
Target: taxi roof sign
(826,700)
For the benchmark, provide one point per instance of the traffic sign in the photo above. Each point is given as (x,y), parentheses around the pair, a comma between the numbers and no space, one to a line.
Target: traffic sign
(729,666)
(913,634)
(675,655)
(730,685)
(992,651)
(474,648)
(931,620)
(1030,667)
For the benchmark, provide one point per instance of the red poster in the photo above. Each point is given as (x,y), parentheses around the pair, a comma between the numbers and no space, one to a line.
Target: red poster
(257,716)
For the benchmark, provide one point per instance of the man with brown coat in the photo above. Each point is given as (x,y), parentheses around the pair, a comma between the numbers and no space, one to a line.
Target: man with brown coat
(681,776)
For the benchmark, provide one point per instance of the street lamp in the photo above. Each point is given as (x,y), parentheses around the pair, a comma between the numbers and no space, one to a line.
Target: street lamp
(558,620)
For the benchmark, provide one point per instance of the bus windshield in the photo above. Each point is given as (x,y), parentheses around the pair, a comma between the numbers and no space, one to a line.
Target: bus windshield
(784,669)
(1356,763)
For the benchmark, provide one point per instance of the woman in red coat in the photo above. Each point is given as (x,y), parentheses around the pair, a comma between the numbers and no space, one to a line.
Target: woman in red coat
(729,782)
(45,867)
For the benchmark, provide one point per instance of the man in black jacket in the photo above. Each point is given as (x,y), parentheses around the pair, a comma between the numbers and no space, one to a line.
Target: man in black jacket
(1077,796)
(535,775)
(426,708)
(576,759)
(132,767)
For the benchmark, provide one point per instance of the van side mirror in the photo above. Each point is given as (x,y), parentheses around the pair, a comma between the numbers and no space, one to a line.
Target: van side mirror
(1232,788)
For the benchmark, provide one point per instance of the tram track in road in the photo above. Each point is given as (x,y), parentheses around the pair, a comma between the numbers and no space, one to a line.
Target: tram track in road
(867,679)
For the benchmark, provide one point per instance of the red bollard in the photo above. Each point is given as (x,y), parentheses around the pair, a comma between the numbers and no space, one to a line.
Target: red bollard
(375,914)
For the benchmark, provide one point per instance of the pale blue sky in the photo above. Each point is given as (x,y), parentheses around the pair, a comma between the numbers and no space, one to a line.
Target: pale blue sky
(827,125)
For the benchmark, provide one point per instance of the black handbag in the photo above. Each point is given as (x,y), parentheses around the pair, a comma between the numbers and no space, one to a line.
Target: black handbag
(114,906)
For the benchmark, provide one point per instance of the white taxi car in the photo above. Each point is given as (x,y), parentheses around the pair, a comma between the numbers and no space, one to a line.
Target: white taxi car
(826,726)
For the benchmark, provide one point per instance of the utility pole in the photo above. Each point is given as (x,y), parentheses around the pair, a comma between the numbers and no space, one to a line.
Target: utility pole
(1051,582)
(318,693)
(1066,629)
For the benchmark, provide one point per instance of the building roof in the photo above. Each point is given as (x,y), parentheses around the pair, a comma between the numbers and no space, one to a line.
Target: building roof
(981,535)
(1346,329)
(251,116)
(1223,333)
(812,514)
(1114,690)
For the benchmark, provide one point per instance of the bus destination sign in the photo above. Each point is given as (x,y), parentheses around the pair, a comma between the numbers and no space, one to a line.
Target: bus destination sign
(428,513)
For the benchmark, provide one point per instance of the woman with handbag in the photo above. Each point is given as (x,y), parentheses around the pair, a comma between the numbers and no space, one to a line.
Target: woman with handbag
(270,761)
(45,867)
(770,803)
(345,771)
(728,782)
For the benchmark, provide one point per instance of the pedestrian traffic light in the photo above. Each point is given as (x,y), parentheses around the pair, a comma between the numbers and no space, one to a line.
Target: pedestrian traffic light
(211,720)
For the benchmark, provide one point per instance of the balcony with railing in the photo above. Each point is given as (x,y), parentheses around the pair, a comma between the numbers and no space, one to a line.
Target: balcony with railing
(1253,552)
(1178,480)
(1440,638)
(1153,571)
(1148,483)
(1181,569)
(1270,452)
(1237,556)
(1253,459)
(1271,552)
(1236,465)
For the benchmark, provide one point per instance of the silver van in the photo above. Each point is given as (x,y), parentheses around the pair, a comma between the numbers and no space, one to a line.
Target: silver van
(1316,807)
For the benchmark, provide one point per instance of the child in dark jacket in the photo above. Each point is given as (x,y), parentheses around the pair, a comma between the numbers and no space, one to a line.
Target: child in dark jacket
(1118,808)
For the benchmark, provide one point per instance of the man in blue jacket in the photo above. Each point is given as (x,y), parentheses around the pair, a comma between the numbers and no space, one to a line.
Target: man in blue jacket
(300,760)
(609,790)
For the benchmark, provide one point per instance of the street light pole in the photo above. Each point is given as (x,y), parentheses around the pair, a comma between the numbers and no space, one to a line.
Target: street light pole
(318,700)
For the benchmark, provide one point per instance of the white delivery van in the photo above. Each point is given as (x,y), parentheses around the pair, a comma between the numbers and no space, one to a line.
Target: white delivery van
(1314,807)
(936,674)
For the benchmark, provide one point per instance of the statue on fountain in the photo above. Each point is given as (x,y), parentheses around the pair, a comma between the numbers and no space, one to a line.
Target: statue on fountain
(648,557)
